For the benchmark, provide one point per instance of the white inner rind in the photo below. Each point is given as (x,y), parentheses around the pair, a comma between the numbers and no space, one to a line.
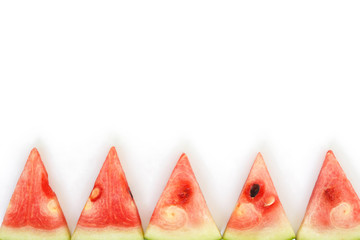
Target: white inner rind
(204,232)
(109,233)
(265,234)
(307,233)
(30,233)
(280,232)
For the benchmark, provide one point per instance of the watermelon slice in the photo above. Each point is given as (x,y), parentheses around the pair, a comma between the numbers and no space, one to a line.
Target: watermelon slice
(110,212)
(182,213)
(258,214)
(34,212)
(333,212)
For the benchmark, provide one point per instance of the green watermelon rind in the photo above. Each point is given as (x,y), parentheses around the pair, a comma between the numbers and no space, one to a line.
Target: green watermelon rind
(308,233)
(210,232)
(108,233)
(263,234)
(30,233)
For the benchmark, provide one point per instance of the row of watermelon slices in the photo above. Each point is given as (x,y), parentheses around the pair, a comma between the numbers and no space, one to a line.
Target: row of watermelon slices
(181,213)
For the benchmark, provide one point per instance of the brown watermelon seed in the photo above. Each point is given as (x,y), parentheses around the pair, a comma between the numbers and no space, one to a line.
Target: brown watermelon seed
(95,194)
(255,188)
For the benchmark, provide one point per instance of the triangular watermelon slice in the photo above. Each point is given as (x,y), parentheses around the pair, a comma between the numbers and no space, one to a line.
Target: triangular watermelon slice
(333,212)
(34,212)
(110,212)
(181,212)
(258,214)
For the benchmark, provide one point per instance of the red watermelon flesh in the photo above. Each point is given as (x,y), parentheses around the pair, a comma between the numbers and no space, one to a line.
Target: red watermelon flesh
(333,211)
(258,214)
(110,212)
(181,212)
(34,211)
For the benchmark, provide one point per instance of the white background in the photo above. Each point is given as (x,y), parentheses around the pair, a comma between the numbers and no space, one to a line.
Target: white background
(219,80)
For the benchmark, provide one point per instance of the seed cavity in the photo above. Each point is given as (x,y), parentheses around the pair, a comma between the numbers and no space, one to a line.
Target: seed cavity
(52,206)
(342,216)
(254,190)
(173,217)
(247,216)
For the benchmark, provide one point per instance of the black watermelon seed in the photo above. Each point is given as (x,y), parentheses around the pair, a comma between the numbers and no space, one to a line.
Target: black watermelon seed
(130,194)
(255,188)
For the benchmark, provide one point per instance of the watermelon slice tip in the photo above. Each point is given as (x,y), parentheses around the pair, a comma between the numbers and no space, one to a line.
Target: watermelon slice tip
(333,211)
(110,212)
(258,214)
(34,212)
(181,212)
